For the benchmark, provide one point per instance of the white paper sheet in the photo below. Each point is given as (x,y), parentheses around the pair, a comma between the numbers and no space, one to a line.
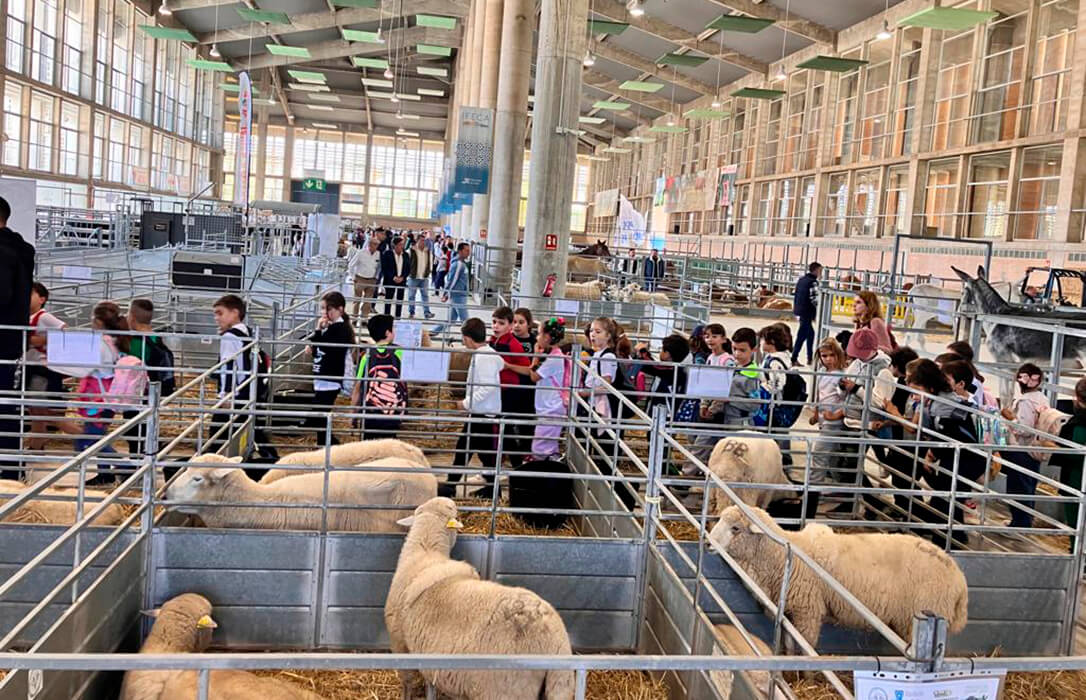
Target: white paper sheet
(709,382)
(74,352)
(663,325)
(424,365)
(567,307)
(408,333)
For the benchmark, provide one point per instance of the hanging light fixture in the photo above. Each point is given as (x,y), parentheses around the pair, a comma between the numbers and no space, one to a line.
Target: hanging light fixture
(589,59)
(781,75)
(884,33)
(378,38)
(394,98)
(716,104)
(635,9)
(388,73)
(164,8)
(214,52)
(671,120)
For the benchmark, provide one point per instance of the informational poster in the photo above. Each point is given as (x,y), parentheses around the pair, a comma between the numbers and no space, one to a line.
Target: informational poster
(245,140)
(473,151)
(22,195)
(425,365)
(709,382)
(74,353)
(871,685)
(568,308)
(408,333)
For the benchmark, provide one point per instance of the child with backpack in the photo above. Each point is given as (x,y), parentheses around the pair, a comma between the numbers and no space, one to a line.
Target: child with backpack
(745,386)
(783,391)
(157,359)
(380,390)
(669,382)
(236,367)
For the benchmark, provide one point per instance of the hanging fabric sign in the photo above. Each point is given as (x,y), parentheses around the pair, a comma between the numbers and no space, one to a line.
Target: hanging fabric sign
(605,203)
(473,149)
(630,224)
(726,188)
(245,139)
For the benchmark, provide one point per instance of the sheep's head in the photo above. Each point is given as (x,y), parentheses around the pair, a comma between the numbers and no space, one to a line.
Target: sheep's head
(739,536)
(434,523)
(202,484)
(184,622)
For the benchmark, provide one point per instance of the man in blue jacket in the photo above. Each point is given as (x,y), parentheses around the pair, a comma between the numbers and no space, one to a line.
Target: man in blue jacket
(805,308)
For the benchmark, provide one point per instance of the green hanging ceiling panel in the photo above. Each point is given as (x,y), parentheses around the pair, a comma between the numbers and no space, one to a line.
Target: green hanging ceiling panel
(585,119)
(612,105)
(359,35)
(292,51)
(167,33)
(364,62)
(641,86)
(638,139)
(432,50)
(681,59)
(262,16)
(832,63)
(947,18)
(437,72)
(758,93)
(668,129)
(603,26)
(705,114)
(235,88)
(435,21)
(204,64)
(306,76)
(739,23)
(354,3)
(377,82)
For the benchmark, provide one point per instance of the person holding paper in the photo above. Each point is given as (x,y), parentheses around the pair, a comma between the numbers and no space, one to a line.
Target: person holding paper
(380,389)
(716,338)
(483,404)
(16,276)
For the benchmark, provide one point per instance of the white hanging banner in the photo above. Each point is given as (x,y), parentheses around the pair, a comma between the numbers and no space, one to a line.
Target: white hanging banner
(605,203)
(245,140)
(630,224)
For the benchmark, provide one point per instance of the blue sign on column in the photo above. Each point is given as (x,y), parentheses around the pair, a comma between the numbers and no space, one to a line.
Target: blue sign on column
(473,151)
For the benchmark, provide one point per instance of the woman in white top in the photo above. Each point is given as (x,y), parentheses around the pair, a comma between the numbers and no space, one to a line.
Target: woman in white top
(1025,410)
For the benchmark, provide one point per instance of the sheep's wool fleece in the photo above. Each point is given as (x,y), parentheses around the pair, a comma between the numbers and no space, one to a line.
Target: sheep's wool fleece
(347,455)
(57,512)
(752,460)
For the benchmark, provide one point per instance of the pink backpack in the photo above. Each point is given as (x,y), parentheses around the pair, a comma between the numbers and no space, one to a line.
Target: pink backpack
(129,381)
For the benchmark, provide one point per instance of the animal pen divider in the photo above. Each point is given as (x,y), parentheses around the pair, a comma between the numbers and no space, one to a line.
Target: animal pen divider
(625,584)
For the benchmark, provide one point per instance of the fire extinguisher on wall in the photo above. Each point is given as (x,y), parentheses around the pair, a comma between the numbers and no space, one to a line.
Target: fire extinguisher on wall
(548,288)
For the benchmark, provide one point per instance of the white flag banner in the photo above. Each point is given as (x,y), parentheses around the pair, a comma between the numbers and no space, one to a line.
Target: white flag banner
(631,224)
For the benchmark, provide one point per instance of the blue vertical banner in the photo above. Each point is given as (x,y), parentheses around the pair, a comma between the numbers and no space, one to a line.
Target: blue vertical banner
(473,150)
(245,140)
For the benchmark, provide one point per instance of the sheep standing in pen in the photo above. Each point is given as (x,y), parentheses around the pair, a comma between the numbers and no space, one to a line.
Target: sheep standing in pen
(184,625)
(51,512)
(347,455)
(437,605)
(750,460)
(895,576)
(632,293)
(200,485)
(585,291)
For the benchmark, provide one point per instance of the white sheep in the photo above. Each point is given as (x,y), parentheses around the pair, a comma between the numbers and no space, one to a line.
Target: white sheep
(202,485)
(632,293)
(38,510)
(895,576)
(347,455)
(585,291)
(184,625)
(437,605)
(747,458)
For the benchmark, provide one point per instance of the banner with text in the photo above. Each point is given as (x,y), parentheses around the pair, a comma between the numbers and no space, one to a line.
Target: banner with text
(605,203)
(473,151)
(630,225)
(245,139)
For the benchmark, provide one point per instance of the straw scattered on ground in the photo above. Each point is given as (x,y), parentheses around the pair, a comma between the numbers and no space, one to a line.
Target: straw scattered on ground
(680,530)
(478,523)
(385,685)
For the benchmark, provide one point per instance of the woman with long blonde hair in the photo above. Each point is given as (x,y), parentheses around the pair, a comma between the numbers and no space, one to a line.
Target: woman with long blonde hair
(867,313)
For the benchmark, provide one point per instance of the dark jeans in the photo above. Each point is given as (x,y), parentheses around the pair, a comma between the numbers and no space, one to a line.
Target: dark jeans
(394,292)
(804,334)
(479,437)
(941,481)
(318,418)
(1021,484)
(136,435)
(439,279)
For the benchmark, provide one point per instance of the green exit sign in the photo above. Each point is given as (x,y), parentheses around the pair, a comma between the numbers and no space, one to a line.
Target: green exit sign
(312,184)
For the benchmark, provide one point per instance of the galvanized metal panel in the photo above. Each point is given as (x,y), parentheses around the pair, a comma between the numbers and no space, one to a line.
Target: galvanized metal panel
(357,588)
(256,627)
(192,548)
(1034,604)
(564,555)
(355,628)
(238,586)
(568,593)
(21,543)
(1009,570)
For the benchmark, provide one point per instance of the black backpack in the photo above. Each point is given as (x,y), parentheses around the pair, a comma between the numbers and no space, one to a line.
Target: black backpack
(795,390)
(383,387)
(161,358)
(263,370)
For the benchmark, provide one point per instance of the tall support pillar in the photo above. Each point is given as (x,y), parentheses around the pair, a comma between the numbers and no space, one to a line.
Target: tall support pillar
(474,77)
(562,43)
(488,96)
(510,123)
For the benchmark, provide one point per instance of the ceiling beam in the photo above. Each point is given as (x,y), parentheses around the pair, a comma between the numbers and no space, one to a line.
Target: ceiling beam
(797,24)
(340,49)
(325,20)
(650,25)
(629,58)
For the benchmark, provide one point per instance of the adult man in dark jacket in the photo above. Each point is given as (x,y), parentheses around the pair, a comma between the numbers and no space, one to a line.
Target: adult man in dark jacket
(805,308)
(654,270)
(16,276)
(395,267)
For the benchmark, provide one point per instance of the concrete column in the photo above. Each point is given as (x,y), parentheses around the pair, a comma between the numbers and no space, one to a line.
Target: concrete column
(488,96)
(562,43)
(510,123)
(474,79)
(463,95)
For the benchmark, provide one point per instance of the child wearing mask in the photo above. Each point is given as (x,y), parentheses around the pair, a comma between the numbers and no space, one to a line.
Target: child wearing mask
(1025,410)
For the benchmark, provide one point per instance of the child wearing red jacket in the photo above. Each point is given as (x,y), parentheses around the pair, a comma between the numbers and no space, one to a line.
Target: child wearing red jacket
(517,394)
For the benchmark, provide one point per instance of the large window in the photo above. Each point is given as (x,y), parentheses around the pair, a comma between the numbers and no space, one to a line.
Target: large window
(41,132)
(275,163)
(768,160)
(13,124)
(835,216)
(908,80)
(1038,188)
(952,90)
(1000,93)
(988,177)
(354,159)
(876,100)
(73,46)
(1052,65)
(44,45)
(896,213)
(71,159)
(941,197)
(844,126)
(865,203)
(16,31)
